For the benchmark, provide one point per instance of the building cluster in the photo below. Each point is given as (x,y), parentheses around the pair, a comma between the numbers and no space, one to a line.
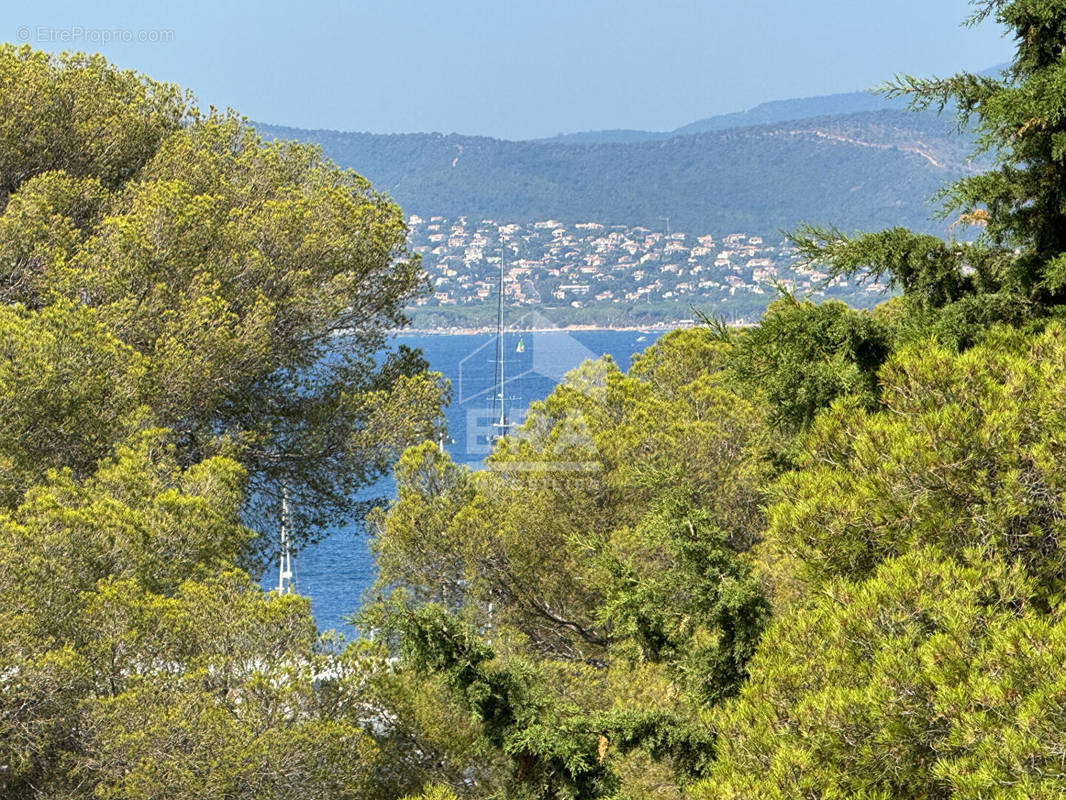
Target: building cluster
(589,263)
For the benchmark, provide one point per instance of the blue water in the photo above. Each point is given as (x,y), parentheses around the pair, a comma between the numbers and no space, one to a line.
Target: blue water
(336,572)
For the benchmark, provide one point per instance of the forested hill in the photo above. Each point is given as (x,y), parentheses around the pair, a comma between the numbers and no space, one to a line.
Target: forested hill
(863,170)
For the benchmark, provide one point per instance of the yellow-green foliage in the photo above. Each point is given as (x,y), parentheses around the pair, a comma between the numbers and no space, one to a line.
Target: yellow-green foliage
(530,534)
(588,616)
(69,390)
(967,453)
(81,115)
(169,285)
(226,265)
(927,679)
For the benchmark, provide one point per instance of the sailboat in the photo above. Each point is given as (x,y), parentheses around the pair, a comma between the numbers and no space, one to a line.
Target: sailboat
(521,348)
(499,402)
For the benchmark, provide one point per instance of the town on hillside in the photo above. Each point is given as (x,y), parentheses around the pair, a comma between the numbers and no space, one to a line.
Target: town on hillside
(595,273)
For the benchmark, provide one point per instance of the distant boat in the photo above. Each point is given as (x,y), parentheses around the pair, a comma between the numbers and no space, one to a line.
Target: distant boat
(641,338)
(521,346)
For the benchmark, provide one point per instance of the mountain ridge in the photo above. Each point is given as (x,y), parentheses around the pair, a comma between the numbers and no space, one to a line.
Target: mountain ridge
(770,112)
(863,169)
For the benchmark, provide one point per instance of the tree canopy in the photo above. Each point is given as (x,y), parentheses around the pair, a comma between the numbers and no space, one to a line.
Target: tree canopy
(822,556)
(251,283)
(191,323)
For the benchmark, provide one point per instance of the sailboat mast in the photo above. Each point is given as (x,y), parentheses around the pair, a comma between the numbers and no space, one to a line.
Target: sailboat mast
(499,345)
(501,421)
(285,557)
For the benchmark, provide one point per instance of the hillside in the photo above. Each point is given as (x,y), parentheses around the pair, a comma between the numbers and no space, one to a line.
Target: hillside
(862,170)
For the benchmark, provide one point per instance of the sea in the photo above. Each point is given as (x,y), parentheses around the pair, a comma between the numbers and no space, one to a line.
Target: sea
(337,571)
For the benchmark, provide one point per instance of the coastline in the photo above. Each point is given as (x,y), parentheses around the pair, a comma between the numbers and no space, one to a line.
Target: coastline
(659,327)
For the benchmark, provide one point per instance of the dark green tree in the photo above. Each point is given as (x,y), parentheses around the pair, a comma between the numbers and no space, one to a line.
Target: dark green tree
(555,749)
(802,356)
(680,596)
(1015,271)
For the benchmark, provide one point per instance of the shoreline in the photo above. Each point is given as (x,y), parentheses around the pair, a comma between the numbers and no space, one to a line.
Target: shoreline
(477,331)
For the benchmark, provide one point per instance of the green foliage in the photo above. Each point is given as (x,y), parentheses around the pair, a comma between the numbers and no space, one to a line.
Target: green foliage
(190,321)
(601,553)
(189,325)
(419,739)
(78,114)
(556,750)
(1019,120)
(928,679)
(953,291)
(928,270)
(139,663)
(524,535)
(139,516)
(430,527)
(912,551)
(683,740)
(211,694)
(679,595)
(1018,205)
(967,453)
(252,283)
(802,356)
(137,530)
(434,792)
(69,390)
(550,756)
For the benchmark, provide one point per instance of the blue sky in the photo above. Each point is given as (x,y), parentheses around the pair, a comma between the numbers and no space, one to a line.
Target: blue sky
(513,69)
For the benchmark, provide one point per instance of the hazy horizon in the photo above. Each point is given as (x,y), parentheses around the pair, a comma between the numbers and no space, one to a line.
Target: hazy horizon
(514,71)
